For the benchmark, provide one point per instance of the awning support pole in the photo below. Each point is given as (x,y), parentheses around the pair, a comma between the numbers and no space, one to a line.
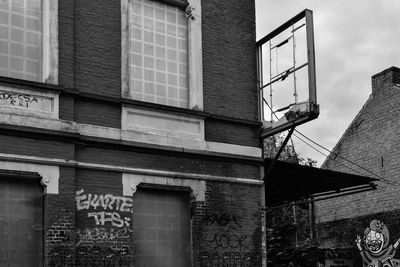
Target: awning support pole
(267,174)
(271,166)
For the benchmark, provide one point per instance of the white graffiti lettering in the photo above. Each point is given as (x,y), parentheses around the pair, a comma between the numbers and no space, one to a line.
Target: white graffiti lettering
(94,235)
(104,202)
(103,217)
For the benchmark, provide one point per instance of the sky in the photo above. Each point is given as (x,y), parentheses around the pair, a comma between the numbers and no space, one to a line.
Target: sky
(353,41)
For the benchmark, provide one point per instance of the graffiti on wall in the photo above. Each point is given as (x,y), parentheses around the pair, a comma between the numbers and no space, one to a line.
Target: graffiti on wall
(374,246)
(17,99)
(223,219)
(26,100)
(94,256)
(225,246)
(111,217)
(338,257)
(234,259)
(107,208)
(99,234)
(228,241)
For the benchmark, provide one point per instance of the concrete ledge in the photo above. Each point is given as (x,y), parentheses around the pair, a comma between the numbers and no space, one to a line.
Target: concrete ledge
(50,174)
(165,142)
(50,165)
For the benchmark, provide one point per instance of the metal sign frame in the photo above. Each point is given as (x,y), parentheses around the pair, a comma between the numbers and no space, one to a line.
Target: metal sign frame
(313,108)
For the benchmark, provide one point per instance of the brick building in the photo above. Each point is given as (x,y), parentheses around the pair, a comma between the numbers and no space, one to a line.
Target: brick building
(372,142)
(129,133)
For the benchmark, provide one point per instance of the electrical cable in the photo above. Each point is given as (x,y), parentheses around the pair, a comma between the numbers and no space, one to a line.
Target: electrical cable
(346,166)
(345,159)
(389,182)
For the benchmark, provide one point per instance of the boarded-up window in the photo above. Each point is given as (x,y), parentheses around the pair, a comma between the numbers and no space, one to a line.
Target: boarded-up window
(161,223)
(21,222)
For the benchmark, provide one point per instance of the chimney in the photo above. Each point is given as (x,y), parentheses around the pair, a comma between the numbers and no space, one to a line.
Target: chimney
(386,80)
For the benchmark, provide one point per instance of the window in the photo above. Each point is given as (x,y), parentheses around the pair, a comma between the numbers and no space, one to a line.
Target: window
(27,37)
(162,229)
(158,61)
(162,59)
(21,217)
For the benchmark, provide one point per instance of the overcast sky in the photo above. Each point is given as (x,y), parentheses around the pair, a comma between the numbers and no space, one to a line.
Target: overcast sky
(353,41)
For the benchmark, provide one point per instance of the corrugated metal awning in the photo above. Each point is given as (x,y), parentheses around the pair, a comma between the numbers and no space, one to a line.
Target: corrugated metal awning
(288,182)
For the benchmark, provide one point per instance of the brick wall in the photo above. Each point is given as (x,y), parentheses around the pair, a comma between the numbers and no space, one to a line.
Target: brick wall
(66,40)
(98,113)
(103,219)
(168,161)
(227,227)
(229,58)
(97,60)
(373,141)
(34,146)
(341,234)
(90,62)
(60,221)
(232,133)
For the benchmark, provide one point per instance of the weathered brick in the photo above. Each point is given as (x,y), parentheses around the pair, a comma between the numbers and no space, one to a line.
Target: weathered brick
(372,141)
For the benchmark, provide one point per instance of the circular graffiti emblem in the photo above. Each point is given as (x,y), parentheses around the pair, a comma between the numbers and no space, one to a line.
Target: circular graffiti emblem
(374,247)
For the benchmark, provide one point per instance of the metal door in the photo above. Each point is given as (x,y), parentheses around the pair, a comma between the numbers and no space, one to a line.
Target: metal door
(161,223)
(21,222)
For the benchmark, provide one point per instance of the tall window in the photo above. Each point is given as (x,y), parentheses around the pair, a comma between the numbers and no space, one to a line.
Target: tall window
(158,59)
(21,39)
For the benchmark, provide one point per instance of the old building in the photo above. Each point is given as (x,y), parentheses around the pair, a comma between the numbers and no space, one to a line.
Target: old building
(129,133)
(370,146)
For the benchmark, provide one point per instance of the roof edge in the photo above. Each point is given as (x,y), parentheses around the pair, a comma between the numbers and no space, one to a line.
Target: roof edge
(391,69)
(347,130)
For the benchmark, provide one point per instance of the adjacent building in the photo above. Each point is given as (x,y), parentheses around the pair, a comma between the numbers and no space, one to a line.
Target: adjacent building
(129,133)
(370,146)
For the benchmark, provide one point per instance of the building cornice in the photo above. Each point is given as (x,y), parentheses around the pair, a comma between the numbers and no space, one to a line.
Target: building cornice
(23,125)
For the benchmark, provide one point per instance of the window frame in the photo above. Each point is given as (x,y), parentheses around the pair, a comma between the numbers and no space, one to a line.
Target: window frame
(50,42)
(49,47)
(195,71)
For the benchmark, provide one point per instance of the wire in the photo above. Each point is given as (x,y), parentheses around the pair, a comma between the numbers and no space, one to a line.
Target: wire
(390,182)
(345,159)
(346,166)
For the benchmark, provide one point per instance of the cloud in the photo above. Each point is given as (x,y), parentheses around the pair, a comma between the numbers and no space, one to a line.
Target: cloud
(354,40)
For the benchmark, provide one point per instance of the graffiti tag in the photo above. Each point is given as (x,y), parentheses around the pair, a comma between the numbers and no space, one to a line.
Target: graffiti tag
(100,234)
(114,218)
(105,202)
(22,100)
(221,219)
(94,256)
(233,259)
(232,241)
